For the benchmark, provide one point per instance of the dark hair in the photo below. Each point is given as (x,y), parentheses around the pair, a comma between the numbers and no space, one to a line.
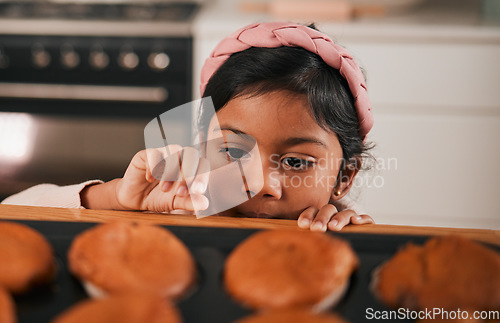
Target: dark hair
(257,71)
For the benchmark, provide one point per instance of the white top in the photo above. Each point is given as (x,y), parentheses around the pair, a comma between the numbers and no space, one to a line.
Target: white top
(50,195)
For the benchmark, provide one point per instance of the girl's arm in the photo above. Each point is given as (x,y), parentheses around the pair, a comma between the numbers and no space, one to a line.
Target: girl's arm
(51,195)
(101,196)
(137,190)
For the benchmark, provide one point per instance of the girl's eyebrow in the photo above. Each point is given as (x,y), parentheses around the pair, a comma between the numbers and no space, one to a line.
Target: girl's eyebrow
(234,130)
(294,141)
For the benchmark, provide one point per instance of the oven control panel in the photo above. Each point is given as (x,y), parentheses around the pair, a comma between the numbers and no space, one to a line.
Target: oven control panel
(142,75)
(98,54)
(98,59)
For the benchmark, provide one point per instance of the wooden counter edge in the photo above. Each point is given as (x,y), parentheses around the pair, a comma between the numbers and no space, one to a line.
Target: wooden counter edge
(16,212)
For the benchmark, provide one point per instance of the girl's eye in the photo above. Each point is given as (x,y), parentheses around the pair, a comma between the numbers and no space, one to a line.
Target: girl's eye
(234,153)
(296,163)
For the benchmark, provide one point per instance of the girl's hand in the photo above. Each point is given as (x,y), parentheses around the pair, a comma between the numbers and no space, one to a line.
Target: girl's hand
(156,180)
(329,218)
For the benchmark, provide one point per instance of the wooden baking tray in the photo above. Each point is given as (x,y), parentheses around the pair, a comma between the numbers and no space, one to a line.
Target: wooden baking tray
(210,247)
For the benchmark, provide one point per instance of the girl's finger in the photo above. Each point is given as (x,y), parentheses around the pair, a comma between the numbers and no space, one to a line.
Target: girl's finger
(170,167)
(200,182)
(362,219)
(323,217)
(189,166)
(341,219)
(306,217)
(154,162)
(195,202)
(172,158)
(181,189)
(166,186)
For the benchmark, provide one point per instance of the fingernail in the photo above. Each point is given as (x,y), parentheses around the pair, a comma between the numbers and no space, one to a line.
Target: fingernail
(358,217)
(200,203)
(334,222)
(166,186)
(198,188)
(304,223)
(181,190)
(317,226)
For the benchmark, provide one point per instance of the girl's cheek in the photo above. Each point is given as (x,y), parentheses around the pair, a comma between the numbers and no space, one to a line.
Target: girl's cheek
(226,187)
(316,181)
(311,188)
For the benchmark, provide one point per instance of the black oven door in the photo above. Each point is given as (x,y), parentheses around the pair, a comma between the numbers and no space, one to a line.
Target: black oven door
(75,108)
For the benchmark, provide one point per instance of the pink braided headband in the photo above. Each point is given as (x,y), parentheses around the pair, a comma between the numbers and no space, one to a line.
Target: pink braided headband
(277,34)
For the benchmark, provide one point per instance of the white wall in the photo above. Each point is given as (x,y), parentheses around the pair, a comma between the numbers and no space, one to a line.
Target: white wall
(437,112)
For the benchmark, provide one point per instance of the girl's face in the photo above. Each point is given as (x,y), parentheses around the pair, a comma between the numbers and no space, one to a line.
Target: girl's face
(298,159)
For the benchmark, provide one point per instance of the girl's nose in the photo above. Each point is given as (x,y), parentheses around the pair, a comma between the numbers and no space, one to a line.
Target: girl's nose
(267,183)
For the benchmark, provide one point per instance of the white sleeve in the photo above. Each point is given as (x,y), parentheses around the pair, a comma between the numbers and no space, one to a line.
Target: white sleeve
(51,195)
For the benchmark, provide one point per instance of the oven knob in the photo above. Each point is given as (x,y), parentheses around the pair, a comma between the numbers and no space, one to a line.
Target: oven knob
(98,59)
(69,58)
(158,61)
(128,60)
(40,57)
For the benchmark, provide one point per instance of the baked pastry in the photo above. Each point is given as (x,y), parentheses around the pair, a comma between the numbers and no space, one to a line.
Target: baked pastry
(289,268)
(292,315)
(123,256)
(448,272)
(26,258)
(7,309)
(124,308)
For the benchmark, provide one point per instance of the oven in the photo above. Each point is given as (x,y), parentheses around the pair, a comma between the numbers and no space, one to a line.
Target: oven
(79,81)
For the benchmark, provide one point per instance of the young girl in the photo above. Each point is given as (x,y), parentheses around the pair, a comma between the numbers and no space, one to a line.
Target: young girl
(284,88)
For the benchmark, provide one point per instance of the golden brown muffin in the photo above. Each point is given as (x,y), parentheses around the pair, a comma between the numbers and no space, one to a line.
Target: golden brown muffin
(26,258)
(125,308)
(448,272)
(122,256)
(292,315)
(288,268)
(7,308)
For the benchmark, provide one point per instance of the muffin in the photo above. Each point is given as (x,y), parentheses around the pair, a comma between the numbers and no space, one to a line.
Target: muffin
(288,268)
(448,272)
(26,258)
(123,308)
(122,256)
(7,309)
(292,315)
